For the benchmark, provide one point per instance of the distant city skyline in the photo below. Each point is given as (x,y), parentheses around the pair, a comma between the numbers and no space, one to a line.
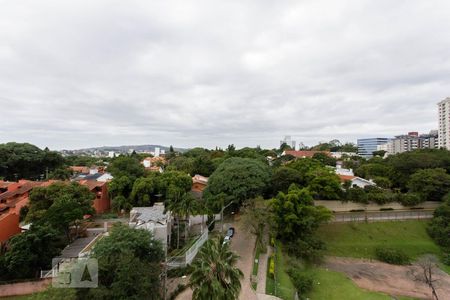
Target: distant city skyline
(190,73)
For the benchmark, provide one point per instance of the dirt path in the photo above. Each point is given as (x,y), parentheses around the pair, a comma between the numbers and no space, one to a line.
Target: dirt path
(389,279)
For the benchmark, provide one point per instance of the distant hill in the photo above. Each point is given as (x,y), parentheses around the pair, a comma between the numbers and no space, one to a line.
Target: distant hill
(126,148)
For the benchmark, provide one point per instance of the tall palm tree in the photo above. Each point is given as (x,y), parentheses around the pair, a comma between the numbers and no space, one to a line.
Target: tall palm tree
(173,205)
(214,273)
(188,206)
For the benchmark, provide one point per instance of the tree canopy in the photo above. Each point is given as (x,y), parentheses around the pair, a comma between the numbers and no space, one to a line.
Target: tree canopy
(26,161)
(129,263)
(238,179)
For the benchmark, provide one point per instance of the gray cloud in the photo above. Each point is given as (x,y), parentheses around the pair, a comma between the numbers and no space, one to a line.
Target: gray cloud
(207,73)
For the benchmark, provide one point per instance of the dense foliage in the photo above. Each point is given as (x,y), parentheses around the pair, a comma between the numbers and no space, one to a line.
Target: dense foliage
(129,262)
(237,179)
(439,228)
(214,274)
(296,219)
(60,205)
(392,256)
(26,161)
(30,252)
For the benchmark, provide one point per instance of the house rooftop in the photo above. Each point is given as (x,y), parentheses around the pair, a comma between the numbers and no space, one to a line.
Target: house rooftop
(149,214)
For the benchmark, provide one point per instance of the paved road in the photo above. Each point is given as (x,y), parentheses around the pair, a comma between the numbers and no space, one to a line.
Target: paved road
(383,216)
(242,244)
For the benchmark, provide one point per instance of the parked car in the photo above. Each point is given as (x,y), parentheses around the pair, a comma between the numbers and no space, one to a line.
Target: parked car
(230,232)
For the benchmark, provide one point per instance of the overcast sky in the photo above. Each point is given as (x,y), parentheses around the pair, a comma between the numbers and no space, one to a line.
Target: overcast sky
(209,73)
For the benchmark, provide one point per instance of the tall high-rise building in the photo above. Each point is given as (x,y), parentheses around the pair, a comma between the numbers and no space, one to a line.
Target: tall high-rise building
(444,123)
(288,141)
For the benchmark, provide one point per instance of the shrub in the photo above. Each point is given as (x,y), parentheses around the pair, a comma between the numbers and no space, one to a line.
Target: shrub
(302,280)
(392,256)
(446,259)
(386,209)
(310,250)
(272,266)
(409,199)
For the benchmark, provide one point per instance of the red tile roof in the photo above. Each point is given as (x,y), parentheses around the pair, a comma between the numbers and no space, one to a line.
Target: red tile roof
(346,177)
(92,184)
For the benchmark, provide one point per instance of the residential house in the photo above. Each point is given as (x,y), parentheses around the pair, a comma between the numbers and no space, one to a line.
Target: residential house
(102,202)
(199,183)
(12,200)
(154,164)
(153,219)
(355,180)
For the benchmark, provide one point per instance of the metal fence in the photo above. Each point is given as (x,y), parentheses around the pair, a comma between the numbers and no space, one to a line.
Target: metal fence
(373,216)
(187,258)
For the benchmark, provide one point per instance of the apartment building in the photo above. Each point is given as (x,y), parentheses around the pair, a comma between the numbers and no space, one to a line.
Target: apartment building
(444,123)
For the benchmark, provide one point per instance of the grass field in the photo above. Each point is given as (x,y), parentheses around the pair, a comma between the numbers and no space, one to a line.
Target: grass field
(282,287)
(359,240)
(329,285)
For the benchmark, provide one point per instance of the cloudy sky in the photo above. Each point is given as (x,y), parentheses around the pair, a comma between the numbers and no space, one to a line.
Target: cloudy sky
(209,73)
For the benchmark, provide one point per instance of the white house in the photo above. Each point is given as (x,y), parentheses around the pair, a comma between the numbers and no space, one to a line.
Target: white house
(358,181)
(154,220)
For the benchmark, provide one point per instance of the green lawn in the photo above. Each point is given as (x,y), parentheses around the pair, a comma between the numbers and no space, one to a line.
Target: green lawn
(329,285)
(359,240)
(282,287)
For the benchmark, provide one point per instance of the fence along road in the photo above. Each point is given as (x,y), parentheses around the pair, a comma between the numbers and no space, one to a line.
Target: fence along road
(394,215)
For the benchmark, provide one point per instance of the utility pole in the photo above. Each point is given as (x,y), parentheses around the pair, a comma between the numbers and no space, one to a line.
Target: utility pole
(221,214)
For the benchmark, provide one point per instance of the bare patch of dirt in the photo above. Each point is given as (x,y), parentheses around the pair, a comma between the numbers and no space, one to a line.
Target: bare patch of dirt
(390,279)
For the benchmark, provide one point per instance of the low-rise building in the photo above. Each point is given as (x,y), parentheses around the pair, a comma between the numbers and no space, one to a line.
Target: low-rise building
(12,200)
(199,183)
(102,203)
(355,180)
(154,219)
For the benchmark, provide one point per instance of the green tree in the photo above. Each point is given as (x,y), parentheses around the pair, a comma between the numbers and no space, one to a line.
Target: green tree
(120,186)
(239,179)
(126,166)
(60,174)
(214,274)
(430,184)
(182,163)
(254,217)
(32,251)
(23,160)
(176,178)
(296,219)
(143,189)
(60,205)
(129,263)
(325,159)
(439,227)
(283,177)
(325,185)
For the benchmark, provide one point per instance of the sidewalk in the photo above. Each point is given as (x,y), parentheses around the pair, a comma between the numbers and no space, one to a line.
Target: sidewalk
(262,271)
